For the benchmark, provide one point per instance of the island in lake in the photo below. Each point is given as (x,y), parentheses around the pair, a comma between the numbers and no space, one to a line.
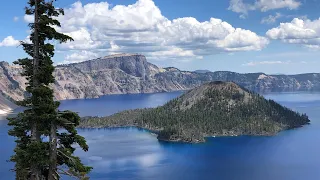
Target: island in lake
(212,109)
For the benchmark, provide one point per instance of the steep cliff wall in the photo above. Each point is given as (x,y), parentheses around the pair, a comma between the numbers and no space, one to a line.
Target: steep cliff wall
(131,73)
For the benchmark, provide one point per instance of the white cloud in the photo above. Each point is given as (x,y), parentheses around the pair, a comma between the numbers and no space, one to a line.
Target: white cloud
(271,18)
(79,56)
(287,55)
(9,41)
(28,18)
(141,28)
(174,53)
(239,6)
(27,40)
(114,46)
(256,63)
(314,47)
(266,5)
(242,40)
(15,19)
(298,31)
(82,40)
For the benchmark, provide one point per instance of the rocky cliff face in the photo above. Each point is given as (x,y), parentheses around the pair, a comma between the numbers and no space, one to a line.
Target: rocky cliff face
(131,73)
(6,105)
(12,84)
(128,73)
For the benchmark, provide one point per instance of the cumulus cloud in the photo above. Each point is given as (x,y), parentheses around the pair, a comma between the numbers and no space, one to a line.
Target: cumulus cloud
(82,40)
(28,18)
(239,6)
(79,56)
(9,41)
(271,18)
(242,40)
(298,31)
(141,28)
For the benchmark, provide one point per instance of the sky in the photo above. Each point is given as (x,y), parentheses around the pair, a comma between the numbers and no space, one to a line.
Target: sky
(270,36)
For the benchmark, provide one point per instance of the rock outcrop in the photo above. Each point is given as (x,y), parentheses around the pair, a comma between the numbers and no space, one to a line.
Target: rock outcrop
(131,73)
(6,106)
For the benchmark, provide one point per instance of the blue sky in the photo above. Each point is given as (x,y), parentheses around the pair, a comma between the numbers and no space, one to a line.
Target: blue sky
(243,36)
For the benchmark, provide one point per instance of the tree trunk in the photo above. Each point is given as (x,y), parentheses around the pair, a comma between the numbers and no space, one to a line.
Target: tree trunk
(35,137)
(53,152)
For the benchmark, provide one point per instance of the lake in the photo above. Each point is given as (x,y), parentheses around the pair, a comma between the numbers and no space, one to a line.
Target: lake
(131,153)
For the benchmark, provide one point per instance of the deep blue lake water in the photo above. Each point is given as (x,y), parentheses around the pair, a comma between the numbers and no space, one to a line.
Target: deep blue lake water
(131,153)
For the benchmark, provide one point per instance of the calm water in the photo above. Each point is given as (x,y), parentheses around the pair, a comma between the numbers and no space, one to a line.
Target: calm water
(130,153)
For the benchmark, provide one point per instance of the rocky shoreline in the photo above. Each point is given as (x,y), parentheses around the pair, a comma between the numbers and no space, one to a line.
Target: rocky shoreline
(213,109)
(183,139)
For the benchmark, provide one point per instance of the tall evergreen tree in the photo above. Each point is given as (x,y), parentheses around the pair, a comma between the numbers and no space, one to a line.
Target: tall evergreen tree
(35,158)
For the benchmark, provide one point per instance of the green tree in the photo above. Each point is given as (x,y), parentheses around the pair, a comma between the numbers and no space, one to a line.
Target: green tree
(34,157)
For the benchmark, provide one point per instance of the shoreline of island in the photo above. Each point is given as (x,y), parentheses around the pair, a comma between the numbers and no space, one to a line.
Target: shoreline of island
(188,140)
(213,109)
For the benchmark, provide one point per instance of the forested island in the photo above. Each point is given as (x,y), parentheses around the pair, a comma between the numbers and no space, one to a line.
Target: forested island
(213,109)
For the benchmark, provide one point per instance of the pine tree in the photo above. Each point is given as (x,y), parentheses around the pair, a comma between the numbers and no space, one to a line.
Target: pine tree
(34,157)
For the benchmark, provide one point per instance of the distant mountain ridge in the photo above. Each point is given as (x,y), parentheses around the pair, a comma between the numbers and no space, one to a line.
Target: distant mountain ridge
(202,71)
(131,73)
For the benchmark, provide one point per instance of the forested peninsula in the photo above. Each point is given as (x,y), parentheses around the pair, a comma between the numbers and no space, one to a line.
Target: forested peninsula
(212,109)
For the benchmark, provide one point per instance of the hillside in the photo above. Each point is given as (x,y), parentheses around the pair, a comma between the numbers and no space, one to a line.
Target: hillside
(212,109)
(202,71)
(131,73)
(5,105)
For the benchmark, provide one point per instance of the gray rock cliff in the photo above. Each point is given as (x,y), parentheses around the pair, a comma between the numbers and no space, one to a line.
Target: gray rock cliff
(131,73)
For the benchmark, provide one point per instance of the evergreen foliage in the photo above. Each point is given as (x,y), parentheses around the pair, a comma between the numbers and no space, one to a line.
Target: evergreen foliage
(214,109)
(35,157)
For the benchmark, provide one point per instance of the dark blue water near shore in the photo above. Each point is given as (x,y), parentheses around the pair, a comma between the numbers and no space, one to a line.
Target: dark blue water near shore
(131,153)
(107,105)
